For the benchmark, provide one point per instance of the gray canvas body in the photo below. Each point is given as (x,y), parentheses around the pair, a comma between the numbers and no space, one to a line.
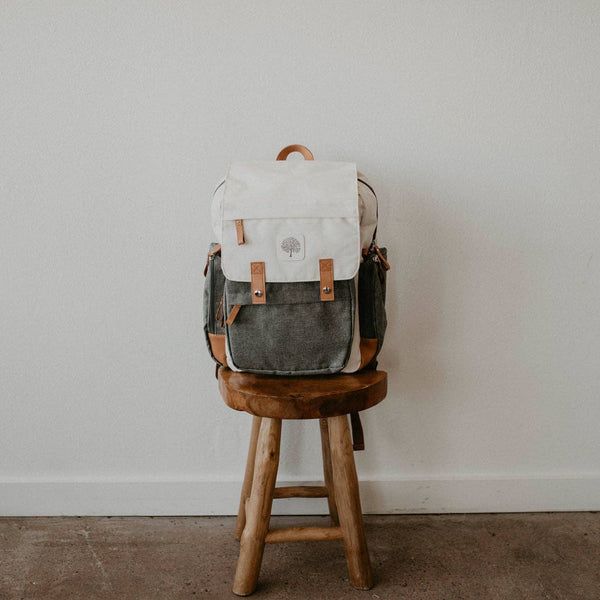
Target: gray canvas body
(371,299)
(295,333)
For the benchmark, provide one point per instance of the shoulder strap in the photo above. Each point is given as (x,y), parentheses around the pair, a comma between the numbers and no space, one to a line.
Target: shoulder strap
(358,437)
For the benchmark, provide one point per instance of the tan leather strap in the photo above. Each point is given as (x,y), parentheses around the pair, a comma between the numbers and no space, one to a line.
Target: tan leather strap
(257,283)
(233,314)
(368,349)
(239,231)
(295,148)
(358,437)
(217,346)
(326,279)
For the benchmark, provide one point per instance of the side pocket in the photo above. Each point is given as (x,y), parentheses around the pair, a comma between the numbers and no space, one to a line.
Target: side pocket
(371,304)
(214,327)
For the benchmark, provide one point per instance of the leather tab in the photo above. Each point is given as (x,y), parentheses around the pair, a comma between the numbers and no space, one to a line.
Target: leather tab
(217,347)
(233,314)
(358,437)
(239,230)
(326,279)
(257,283)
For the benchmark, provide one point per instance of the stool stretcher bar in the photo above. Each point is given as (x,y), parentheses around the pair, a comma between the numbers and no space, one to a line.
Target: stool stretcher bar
(301,491)
(304,534)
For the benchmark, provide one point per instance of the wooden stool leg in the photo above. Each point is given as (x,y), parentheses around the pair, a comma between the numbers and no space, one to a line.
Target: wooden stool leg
(348,503)
(328,472)
(247,485)
(258,507)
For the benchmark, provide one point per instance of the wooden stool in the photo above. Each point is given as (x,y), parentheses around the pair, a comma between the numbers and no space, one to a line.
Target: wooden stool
(328,398)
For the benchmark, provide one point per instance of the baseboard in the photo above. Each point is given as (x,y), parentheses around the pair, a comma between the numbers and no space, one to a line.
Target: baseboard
(436,495)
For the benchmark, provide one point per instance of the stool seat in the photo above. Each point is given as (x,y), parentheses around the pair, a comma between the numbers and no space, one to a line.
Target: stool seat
(303,397)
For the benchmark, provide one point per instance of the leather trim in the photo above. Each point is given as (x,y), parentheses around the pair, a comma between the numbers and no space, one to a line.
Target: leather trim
(326,279)
(368,349)
(308,155)
(217,347)
(233,314)
(258,286)
(239,231)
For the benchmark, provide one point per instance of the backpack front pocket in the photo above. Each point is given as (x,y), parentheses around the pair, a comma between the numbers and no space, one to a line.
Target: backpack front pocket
(294,332)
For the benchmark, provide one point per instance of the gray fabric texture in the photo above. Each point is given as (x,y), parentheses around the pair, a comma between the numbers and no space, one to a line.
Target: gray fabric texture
(303,292)
(294,333)
(371,298)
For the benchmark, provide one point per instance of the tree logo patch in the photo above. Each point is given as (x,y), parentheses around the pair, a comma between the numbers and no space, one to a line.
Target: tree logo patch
(291,247)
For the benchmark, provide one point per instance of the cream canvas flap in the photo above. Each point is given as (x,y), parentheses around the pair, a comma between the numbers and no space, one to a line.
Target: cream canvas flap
(293,213)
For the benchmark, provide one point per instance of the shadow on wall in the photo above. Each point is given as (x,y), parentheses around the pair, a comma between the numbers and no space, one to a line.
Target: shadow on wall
(417,246)
(422,249)
(458,302)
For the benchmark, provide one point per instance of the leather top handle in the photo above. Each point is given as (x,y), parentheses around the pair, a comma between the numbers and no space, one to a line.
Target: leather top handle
(295,148)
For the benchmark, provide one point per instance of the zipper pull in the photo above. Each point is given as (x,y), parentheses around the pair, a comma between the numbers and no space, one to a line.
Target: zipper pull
(220,319)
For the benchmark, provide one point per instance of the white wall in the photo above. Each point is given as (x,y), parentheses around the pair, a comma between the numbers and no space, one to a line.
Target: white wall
(479,125)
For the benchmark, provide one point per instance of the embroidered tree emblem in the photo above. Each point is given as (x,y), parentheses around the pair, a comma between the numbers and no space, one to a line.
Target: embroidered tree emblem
(291,245)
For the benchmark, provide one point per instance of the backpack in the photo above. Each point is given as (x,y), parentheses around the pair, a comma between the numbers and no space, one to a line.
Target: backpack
(295,283)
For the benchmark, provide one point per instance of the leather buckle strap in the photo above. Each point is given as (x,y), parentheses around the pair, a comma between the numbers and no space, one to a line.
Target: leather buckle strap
(257,283)
(326,279)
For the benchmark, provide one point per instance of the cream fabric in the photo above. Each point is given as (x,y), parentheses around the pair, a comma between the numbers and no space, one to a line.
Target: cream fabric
(327,207)
(367,210)
(313,205)
(354,361)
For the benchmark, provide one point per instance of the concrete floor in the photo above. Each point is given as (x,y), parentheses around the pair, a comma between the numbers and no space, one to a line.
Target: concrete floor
(434,557)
